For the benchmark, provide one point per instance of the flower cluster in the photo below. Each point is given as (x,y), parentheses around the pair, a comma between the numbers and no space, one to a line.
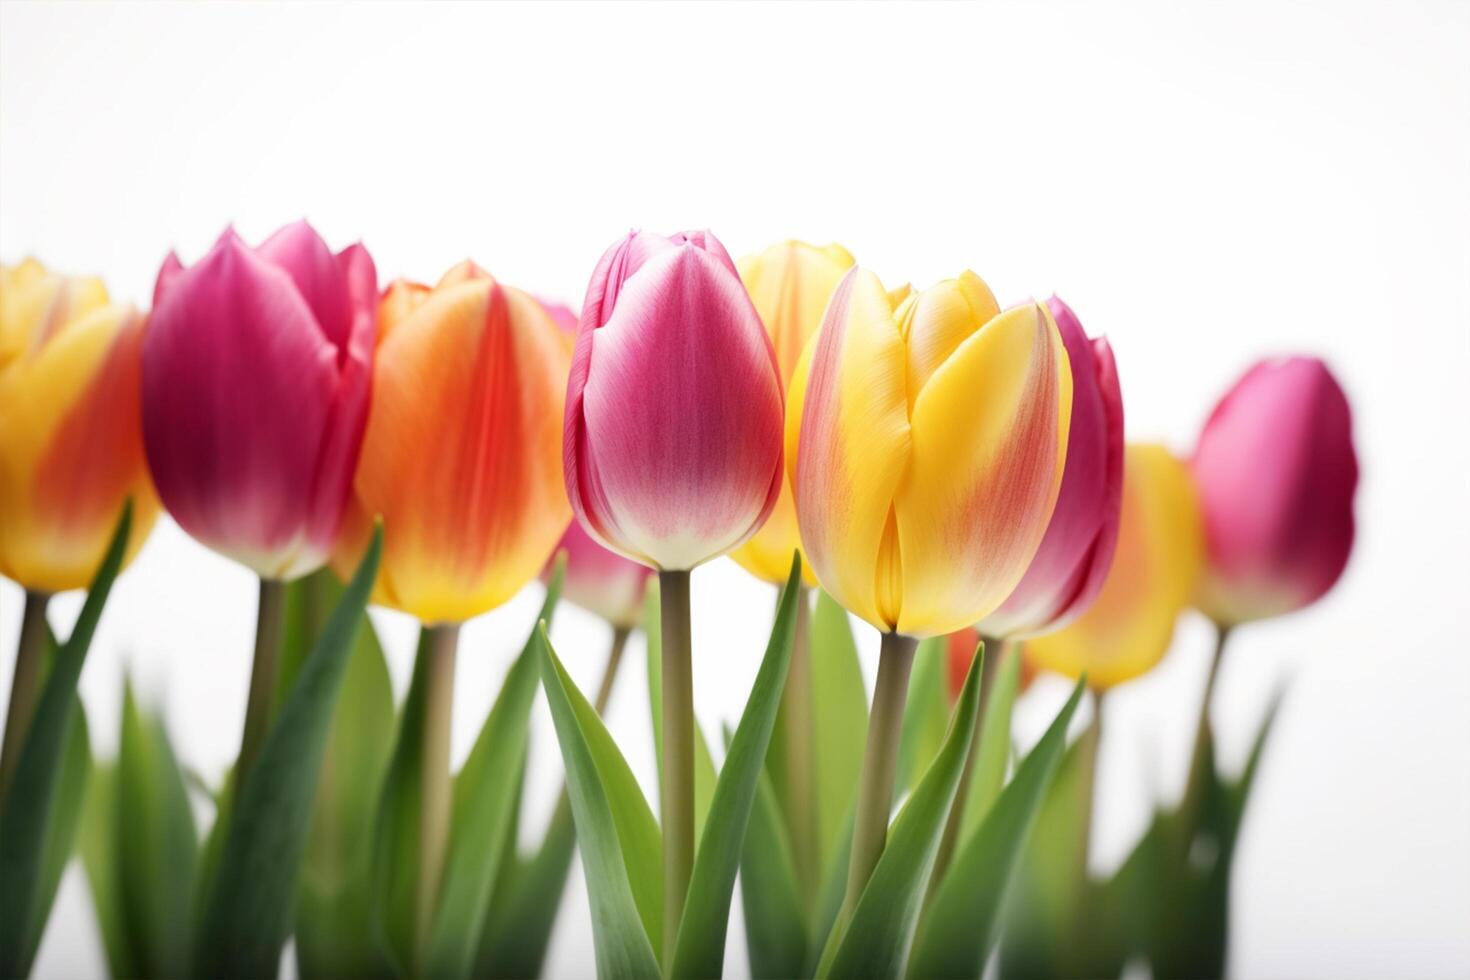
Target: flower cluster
(948,469)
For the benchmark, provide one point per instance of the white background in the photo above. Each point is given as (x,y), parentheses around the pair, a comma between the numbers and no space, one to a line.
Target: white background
(1205,185)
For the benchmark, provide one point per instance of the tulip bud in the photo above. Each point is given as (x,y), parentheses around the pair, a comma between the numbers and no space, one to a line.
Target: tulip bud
(1276,474)
(71,443)
(928,445)
(789,284)
(601,581)
(255,392)
(672,445)
(462,457)
(1069,567)
(1155,569)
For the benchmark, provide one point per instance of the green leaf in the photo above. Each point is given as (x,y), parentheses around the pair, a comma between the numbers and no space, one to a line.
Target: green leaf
(336,873)
(829,900)
(872,943)
(1046,924)
(619,840)
(840,721)
(248,914)
(396,827)
(700,951)
(99,846)
(485,793)
(775,934)
(526,901)
(704,763)
(959,928)
(925,714)
(994,751)
(155,845)
(39,783)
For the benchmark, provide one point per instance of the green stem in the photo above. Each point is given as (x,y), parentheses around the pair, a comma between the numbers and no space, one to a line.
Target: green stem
(880,764)
(434,787)
(269,618)
(25,684)
(994,651)
(801,770)
(1091,745)
(610,671)
(676,785)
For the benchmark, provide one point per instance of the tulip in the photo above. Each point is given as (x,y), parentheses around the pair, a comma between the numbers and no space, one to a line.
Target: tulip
(1276,474)
(462,456)
(672,452)
(601,581)
(1157,566)
(71,452)
(789,284)
(462,461)
(1072,562)
(71,444)
(255,392)
(672,444)
(927,445)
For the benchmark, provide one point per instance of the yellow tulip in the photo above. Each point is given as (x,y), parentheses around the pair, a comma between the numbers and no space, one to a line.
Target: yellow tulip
(926,444)
(71,432)
(1155,572)
(790,284)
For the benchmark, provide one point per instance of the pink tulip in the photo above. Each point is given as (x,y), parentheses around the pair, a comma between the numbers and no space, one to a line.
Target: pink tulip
(601,581)
(1276,474)
(1073,560)
(256,369)
(672,447)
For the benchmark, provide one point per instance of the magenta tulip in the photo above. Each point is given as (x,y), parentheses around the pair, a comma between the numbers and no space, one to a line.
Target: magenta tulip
(256,369)
(1077,550)
(601,581)
(1276,474)
(673,434)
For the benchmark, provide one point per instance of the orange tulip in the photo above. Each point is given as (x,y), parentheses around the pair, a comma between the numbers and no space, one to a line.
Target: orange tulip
(462,455)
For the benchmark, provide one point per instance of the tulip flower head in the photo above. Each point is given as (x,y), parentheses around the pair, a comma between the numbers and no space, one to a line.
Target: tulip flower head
(1155,570)
(462,457)
(1072,562)
(256,369)
(601,581)
(71,443)
(1276,473)
(672,443)
(790,284)
(927,445)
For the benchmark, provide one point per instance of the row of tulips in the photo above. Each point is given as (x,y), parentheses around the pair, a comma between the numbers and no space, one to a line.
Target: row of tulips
(952,472)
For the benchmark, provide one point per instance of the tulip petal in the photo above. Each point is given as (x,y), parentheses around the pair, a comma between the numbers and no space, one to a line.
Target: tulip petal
(318,275)
(976,500)
(852,447)
(939,320)
(680,441)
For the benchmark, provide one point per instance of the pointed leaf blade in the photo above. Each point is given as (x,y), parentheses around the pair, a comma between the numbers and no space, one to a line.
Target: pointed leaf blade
(615,829)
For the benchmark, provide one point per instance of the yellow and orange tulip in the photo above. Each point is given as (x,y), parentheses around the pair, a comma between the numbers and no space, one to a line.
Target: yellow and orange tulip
(71,435)
(1155,572)
(462,455)
(790,284)
(927,444)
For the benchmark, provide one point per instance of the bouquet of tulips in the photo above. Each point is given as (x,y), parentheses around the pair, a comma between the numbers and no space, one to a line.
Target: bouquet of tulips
(950,472)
